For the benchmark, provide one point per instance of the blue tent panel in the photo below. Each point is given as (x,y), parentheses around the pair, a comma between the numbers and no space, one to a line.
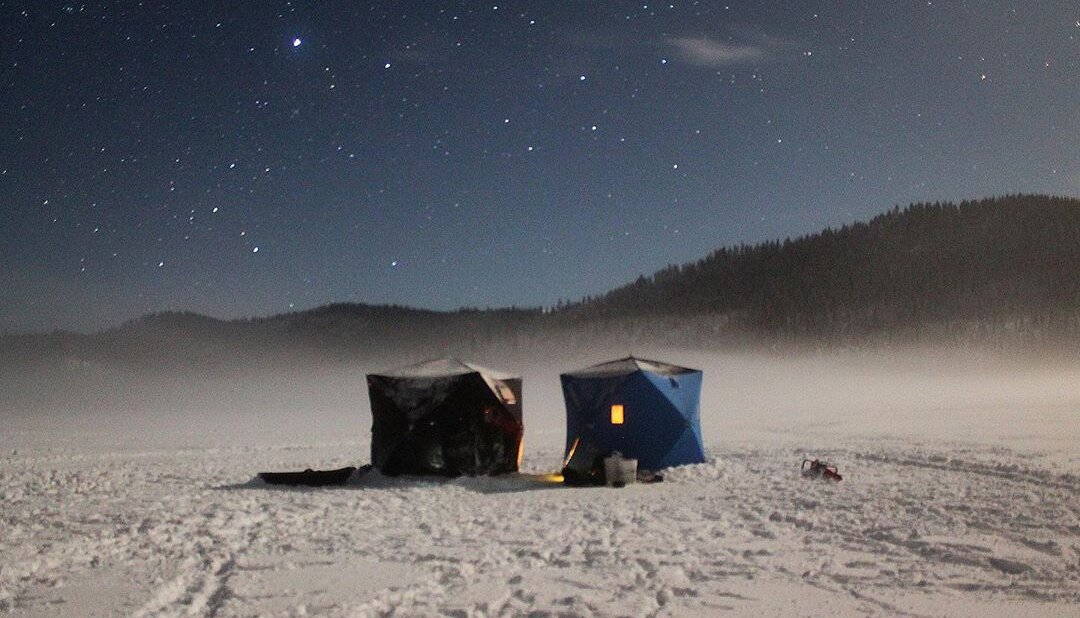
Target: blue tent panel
(588,399)
(683,391)
(686,450)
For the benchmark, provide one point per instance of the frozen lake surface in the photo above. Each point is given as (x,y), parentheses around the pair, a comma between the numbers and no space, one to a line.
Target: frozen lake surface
(961,496)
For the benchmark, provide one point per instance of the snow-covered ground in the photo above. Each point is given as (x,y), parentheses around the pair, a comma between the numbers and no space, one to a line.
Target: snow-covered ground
(961,496)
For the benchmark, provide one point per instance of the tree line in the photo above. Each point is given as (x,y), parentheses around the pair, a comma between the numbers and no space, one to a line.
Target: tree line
(1007,266)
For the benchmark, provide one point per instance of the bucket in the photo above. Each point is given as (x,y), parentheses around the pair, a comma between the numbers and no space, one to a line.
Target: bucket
(619,471)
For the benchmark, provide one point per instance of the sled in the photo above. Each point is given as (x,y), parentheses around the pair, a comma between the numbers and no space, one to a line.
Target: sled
(817,469)
(309,477)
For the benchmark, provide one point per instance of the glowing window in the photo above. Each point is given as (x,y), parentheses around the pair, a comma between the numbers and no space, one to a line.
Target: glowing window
(617,414)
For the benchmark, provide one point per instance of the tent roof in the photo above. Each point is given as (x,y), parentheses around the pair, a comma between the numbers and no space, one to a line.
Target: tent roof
(443,367)
(628,365)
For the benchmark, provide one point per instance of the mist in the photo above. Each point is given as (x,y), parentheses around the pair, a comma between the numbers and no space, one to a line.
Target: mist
(802,399)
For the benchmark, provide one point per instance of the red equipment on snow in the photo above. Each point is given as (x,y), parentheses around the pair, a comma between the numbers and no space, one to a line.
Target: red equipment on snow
(818,469)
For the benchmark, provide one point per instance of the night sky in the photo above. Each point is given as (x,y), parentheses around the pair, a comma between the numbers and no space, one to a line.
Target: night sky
(251,158)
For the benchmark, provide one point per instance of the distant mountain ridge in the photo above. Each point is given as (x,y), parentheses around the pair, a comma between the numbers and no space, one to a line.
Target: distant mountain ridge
(999,269)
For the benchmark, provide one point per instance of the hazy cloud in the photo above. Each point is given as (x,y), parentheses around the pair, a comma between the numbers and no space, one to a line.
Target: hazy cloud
(708,53)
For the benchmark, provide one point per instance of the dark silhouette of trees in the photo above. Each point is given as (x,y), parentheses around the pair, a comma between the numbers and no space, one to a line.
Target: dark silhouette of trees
(1008,265)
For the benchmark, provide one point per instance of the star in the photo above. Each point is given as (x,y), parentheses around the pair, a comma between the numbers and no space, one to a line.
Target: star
(297,42)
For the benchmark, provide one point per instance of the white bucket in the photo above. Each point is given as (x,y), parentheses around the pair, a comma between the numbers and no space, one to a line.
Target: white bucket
(619,470)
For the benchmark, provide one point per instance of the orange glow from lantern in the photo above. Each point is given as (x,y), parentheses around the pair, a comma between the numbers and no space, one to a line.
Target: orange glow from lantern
(617,414)
(570,455)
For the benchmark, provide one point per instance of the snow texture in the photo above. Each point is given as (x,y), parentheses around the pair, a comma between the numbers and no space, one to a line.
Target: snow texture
(443,367)
(628,365)
(961,496)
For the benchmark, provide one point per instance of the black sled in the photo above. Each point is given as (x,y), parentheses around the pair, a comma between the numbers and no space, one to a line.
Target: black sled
(309,477)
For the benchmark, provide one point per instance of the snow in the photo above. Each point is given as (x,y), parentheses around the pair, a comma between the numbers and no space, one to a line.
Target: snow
(625,366)
(961,496)
(443,367)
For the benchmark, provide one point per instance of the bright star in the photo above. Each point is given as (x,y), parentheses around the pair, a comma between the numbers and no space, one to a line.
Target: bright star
(296,42)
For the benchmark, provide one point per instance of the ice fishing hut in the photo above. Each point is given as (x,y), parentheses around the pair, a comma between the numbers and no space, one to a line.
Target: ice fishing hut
(646,410)
(445,417)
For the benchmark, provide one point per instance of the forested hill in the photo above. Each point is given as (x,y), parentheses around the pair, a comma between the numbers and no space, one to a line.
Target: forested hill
(1009,263)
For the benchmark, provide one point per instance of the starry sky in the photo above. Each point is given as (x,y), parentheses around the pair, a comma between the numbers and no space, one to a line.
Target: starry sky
(252,158)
